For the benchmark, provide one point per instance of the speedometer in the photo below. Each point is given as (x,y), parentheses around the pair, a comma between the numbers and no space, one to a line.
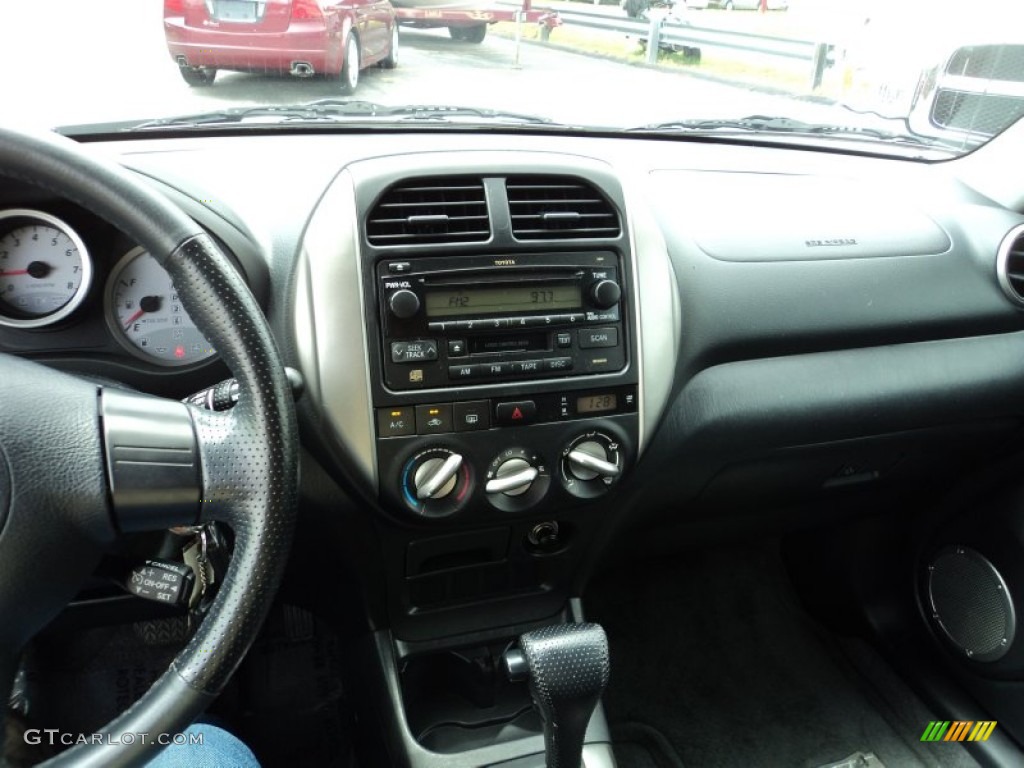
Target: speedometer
(146,315)
(45,270)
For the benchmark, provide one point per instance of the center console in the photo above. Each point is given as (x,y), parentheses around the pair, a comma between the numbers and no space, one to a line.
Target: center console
(495,301)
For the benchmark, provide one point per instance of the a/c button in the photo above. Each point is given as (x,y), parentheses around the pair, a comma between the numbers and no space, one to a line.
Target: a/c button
(395,422)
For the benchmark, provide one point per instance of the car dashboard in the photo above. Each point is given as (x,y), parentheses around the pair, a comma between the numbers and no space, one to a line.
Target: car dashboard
(518,348)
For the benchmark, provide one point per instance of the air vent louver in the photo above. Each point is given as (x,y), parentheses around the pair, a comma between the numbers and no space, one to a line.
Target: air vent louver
(427,211)
(559,208)
(1010,265)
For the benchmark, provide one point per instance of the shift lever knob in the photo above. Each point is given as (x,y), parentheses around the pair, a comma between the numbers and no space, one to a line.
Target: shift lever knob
(567,666)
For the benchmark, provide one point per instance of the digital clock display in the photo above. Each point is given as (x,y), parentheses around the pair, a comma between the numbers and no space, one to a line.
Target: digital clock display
(505,300)
(596,403)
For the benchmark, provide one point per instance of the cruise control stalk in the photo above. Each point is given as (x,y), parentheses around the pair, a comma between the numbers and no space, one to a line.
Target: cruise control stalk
(222,396)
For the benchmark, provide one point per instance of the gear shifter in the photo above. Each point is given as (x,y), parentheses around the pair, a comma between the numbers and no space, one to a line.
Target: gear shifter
(567,666)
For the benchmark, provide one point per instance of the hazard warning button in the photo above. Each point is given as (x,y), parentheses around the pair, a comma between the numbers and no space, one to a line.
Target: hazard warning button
(517,413)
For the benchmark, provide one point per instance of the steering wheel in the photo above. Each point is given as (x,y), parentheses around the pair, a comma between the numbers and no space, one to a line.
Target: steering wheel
(81,464)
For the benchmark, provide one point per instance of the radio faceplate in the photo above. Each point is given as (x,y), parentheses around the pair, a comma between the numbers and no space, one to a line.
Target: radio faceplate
(454,322)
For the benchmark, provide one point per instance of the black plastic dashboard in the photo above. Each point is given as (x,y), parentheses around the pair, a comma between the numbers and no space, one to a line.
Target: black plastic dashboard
(794,323)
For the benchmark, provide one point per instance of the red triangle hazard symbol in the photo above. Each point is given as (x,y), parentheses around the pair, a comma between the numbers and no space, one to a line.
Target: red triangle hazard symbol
(517,414)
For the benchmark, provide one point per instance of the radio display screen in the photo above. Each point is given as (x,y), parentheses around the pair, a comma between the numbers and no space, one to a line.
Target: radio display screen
(513,299)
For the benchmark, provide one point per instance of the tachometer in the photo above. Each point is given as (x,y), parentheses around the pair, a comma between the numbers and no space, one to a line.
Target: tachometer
(146,316)
(45,269)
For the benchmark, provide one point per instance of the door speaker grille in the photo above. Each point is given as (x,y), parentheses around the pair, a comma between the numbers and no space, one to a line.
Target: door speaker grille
(971,604)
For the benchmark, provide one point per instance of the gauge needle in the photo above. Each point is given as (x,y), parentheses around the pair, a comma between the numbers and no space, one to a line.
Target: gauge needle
(147,304)
(133,318)
(37,269)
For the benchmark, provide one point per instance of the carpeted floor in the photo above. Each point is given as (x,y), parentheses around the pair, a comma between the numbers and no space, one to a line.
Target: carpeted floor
(712,651)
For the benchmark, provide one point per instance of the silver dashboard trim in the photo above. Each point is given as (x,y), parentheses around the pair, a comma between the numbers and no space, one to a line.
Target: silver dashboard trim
(336,364)
(1002,269)
(657,312)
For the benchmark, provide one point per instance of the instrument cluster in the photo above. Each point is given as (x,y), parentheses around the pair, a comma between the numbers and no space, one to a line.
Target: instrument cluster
(50,278)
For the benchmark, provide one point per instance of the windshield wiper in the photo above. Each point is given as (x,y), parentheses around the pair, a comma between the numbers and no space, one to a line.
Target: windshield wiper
(783,125)
(341,110)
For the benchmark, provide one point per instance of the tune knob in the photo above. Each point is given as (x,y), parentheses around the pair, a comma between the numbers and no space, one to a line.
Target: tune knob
(404,304)
(604,294)
(516,480)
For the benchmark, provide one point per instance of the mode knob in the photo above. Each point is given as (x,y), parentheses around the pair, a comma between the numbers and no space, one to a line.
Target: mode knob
(591,464)
(604,294)
(589,460)
(404,304)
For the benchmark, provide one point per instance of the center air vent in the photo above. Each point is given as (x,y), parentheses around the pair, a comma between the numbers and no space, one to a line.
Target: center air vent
(559,208)
(432,210)
(1010,265)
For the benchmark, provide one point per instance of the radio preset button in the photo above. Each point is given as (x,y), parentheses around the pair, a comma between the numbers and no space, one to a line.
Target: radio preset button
(563,339)
(519,322)
(595,338)
(463,371)
(558,364)
(472,416)
(495,322)
(423,350)
(456,347)
(576,317)
(516,413)
(439,326)
(432,419)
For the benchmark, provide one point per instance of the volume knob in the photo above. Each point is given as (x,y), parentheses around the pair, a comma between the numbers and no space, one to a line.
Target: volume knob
(404,304)
(604,294)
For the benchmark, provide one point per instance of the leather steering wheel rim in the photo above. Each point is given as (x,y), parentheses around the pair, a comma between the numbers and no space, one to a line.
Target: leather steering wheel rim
(249,455)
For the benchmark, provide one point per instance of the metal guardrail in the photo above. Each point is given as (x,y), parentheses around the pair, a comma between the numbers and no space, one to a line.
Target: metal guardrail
(662,31)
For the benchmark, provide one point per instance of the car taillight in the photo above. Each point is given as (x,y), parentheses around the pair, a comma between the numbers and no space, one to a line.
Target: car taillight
(305,10)
(174,7)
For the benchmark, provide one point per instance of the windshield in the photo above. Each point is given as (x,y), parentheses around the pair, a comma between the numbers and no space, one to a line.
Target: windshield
(912,75)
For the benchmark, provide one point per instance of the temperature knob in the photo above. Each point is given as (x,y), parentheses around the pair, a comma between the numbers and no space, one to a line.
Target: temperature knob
(435,482)
(591,464)
(516,480)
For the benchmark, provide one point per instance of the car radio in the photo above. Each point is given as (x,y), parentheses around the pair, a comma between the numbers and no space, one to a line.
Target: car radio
(455,321)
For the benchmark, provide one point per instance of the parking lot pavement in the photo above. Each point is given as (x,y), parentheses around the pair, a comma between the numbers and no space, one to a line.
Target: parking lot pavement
(117,45)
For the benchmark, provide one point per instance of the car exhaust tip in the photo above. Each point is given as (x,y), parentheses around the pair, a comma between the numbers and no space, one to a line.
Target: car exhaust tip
(302,69)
